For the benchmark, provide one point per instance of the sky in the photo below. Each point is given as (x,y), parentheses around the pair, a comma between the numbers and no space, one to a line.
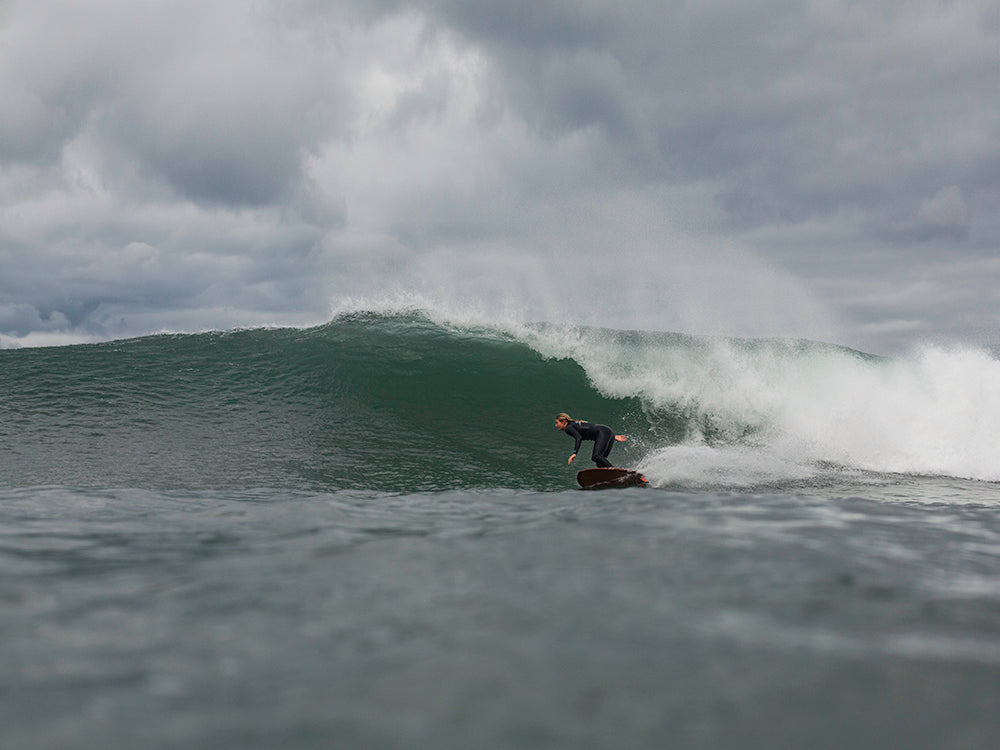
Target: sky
(825,169)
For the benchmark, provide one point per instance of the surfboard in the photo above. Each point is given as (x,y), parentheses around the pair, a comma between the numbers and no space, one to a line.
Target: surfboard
(599,479)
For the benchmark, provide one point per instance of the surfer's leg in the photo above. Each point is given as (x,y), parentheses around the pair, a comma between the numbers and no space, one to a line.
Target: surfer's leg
(602,449)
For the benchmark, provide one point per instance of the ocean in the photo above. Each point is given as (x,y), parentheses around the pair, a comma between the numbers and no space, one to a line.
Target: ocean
(366,535)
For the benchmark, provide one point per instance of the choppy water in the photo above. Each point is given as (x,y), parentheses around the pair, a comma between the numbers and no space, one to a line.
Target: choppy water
(366,535)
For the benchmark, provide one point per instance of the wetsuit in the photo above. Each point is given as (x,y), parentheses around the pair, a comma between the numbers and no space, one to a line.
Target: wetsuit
(603,437)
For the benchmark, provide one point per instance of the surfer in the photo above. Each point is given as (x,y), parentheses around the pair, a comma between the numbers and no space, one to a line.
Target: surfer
(603,436)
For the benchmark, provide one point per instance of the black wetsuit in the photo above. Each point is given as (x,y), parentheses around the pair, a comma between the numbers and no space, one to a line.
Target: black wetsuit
(603,437)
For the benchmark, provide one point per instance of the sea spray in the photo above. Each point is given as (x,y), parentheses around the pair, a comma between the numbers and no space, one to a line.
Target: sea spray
(778,407)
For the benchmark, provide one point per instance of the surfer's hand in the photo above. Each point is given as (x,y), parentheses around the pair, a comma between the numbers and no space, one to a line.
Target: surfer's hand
(621,438)
(571,458)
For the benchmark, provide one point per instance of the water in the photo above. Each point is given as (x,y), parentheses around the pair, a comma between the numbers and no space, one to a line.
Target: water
(366,535)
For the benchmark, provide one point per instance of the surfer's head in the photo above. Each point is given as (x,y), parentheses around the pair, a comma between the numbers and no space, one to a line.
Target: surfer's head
(562,420)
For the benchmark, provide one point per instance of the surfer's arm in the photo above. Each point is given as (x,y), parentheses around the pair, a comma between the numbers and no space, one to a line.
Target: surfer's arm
(621,438)
(574,433)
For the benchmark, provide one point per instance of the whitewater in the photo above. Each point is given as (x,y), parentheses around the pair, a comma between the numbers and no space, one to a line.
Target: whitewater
(366,534)
(781,408)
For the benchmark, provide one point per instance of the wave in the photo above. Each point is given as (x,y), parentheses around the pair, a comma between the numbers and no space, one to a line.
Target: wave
(734,411)
(402,401)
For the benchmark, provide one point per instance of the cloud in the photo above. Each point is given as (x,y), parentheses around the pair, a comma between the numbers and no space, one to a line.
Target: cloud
(189,164)
(217,106)
(799,109)
(944,215)
(165,146)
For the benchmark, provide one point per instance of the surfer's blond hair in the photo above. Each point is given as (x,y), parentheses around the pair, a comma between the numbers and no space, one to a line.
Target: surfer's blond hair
(564,417)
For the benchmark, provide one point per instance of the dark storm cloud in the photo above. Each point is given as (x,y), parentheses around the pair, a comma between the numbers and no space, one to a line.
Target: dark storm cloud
(848,124)
(235,134)
(153,161)
(799,110)
(193,164)
(191,94)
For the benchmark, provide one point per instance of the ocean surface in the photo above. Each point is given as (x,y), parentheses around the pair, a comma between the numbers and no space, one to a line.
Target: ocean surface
(366,535)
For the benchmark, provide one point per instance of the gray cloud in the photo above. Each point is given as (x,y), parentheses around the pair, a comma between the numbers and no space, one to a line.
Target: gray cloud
(799,110)
(188,165)
(197,97)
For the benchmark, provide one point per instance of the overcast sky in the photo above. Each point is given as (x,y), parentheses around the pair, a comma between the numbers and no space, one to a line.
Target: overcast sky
(826,169)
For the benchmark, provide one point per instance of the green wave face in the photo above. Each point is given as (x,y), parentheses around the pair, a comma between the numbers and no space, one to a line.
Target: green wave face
(400,403)
(390,403)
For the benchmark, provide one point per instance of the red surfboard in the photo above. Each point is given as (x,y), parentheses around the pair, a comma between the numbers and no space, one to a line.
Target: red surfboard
(599,479)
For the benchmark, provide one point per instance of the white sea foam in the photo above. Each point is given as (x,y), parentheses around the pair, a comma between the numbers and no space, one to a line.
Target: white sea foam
(781,409)
(777,409)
